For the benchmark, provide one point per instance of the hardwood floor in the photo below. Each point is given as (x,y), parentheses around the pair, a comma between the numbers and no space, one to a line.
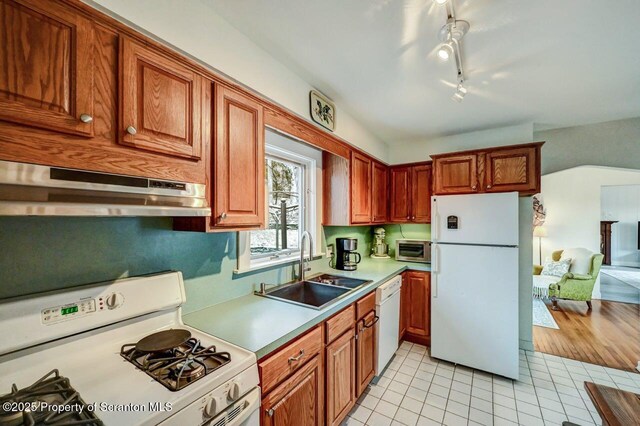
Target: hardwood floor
(608,335)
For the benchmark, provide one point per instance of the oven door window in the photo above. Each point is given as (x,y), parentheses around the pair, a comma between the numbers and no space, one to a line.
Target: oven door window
(412,250)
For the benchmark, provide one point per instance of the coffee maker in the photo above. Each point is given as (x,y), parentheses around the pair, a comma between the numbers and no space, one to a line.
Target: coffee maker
(347,258)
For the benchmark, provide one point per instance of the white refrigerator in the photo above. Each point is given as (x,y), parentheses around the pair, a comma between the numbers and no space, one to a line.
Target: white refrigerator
(474,279)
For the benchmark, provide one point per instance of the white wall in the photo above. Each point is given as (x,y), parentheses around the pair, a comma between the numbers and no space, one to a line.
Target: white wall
(572,200)
(420,150)
(622,203)
(195,28)
(611,144)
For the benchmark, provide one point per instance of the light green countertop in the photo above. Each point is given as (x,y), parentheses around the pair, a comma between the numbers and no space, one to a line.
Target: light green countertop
(262,325)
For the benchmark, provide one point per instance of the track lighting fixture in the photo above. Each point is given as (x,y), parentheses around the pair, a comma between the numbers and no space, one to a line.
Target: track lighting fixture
(451,35)
(445,51)
(460,92)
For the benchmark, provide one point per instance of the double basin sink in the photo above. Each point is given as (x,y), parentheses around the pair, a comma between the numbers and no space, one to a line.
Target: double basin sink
(315,292)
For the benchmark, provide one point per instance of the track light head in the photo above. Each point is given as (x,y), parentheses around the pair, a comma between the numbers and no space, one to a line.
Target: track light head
(461,91)
(445,51)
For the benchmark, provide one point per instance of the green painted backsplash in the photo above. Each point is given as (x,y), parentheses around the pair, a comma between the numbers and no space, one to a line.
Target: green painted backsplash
(50,253)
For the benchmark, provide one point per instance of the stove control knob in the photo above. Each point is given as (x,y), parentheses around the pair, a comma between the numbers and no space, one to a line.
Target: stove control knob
(234,391)
(210,409)
(114,300)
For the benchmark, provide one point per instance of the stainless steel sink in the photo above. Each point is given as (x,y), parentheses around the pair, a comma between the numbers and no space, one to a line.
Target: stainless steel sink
(339,281)
(307,293)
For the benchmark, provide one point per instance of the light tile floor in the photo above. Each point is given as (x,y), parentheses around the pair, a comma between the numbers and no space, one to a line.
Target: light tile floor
(419,390)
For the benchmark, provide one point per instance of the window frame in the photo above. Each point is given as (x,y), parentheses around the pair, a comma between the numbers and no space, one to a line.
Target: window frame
(309,213)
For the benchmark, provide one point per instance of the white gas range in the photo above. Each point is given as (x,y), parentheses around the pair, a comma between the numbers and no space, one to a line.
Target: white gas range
(107,350)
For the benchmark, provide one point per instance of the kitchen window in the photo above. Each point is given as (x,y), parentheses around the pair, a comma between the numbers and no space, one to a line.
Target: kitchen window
(290,192)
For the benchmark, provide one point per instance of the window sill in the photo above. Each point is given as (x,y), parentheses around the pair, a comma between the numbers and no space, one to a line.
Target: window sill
(277,263)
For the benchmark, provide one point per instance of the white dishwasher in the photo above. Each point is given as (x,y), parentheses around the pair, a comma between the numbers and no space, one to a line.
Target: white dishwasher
(388,309)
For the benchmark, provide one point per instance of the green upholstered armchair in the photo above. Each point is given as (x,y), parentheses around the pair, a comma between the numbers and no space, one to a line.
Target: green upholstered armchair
(573,286)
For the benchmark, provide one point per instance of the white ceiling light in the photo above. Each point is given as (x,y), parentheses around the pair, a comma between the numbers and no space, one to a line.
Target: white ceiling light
(445,51)
(460,92)
(451,35)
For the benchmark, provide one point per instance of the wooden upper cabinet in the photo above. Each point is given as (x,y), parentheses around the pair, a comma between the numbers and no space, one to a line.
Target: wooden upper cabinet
(298,400)
(400,199)
(456,174)
(379,195)
(418,311)
(46,67)
(410,199)
(360,188)
(341,378)
(499,169)
(421,194)
(512,170)
(161,103)
(238,172)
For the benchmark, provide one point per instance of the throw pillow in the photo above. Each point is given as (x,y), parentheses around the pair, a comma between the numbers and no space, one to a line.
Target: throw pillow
(557,269)
(580,260)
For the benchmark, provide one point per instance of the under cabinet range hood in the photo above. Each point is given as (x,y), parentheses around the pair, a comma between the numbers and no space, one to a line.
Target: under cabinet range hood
(34,190)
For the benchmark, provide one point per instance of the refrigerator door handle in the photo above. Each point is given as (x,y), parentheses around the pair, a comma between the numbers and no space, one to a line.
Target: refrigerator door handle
(436,219)
(434,272)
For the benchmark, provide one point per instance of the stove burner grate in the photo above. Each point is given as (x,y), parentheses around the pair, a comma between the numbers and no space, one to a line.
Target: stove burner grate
(178,366)
(52,389)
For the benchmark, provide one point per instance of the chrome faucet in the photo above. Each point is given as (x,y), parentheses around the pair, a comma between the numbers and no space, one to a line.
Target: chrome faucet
(304,268)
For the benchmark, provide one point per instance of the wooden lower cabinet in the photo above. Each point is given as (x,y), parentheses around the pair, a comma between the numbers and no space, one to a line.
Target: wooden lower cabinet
(309,383)
(341,377)
(416,308)
(366,348)
(298,400)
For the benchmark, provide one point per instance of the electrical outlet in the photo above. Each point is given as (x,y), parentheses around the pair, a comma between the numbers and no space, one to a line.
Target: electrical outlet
(329,250)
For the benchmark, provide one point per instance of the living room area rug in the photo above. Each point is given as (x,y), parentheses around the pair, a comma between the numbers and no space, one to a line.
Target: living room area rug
(541,315)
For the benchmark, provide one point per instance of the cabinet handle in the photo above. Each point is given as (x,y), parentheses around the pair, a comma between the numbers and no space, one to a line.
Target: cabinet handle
(413,218)
(270,412)
(375,320)
(131,130)
(86,118)
(408,217)
(488,186)
(223,216)
(474,187)
(297,357)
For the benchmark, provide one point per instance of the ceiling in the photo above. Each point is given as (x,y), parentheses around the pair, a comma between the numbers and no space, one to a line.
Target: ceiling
(553,63)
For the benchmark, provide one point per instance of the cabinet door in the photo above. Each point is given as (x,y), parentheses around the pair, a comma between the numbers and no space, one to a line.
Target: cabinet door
(404,304)
(421,198)
(380,177)
(360,188)
(511,170)
(456,174)
(366,351)
(341,380)
(400,205)
(160,103)
(238,173)
(46,66)
(298,400)
(419,313)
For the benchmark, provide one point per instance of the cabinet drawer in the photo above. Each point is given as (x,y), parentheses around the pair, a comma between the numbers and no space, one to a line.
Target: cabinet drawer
(289,359)
(340,323)
(365,305)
